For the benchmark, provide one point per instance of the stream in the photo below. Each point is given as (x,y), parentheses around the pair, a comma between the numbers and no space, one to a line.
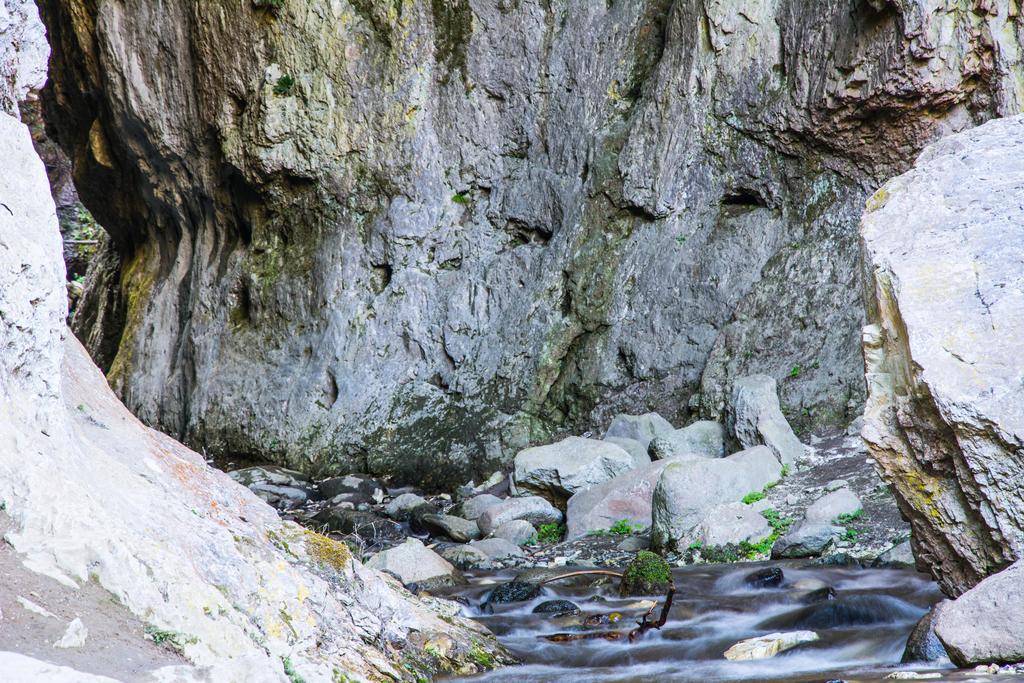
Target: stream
(863,626)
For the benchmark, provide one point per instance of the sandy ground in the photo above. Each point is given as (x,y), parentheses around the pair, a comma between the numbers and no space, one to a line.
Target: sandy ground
(116,645)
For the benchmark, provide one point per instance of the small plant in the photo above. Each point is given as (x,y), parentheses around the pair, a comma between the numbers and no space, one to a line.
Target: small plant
(624,528)
(460,198)
(284,86)
(777,522)
(681,240)
(850,534)
(169,638)
(795,372)
(549,533)
(847,517)
(696,545)
(753,497)
(290,672)
(785,470)
(481,657)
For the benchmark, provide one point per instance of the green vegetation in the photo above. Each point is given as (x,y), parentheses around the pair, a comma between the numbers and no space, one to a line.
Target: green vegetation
(785,470)
(745,550)
(753,497)
(795,372)
(623,527)
(848,517)
(169,638)
(284,86)
(548,533)
(482,657)
(646,574)
(460,198)
(289,671)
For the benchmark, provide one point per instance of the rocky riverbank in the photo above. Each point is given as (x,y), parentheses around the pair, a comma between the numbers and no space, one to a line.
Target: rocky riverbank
(597,501)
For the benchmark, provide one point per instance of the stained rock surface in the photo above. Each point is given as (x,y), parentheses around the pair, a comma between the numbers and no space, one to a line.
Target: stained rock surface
(89,494)
(413,238)
(943,245)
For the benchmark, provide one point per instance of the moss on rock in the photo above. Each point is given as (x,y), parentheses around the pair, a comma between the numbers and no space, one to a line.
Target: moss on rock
(646,574)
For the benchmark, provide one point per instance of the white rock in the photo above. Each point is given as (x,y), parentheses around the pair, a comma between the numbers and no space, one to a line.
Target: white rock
(635,448)
(769,645)
(412,562)
(627,496)
(74,636)
(533,509)
(829,507)
(704,438)
(517,531)
(732,523)
(36,609)
(983,625)
(641,428)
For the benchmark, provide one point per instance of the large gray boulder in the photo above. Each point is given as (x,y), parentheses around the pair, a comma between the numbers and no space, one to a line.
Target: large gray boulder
(984,624)
(732,523)
(944,422)
(412,562)
(640,428)
(574,464)
(533,509)
(806,540)
(475,506)
(703,438)
(688,489)
(828,508)
(756,418)
(637,449)
(627,496)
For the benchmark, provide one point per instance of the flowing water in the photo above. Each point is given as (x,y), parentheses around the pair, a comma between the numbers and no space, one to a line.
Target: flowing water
(862,630)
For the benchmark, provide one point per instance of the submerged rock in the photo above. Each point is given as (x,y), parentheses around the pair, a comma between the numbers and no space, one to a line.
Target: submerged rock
(558,607)
(756,418)
(574,464)
(769,577)
(770,645)
(922,643)
(943,245)
(704,439)
(514,591)
(855,610)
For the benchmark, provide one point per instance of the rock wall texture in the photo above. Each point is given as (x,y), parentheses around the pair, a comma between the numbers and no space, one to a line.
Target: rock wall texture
(93,495)
(410,237)
(944,251)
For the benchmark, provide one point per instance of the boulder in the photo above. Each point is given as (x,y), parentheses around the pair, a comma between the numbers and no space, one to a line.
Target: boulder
(828,508)
(944,421)
(412,562)
(352,483)
(466,557)
(732,523)
(458,529)
(518,531)
(365,525)
(637,449)
(574,464)
(705,439)
(640,428)
(400,507)
(806,540)
(557,607)
(755,418)
(687,490)
(533,509)
(922,643)
(855,610)
(473,507)
(280,487)
(498,548)
(769,577)
(769,645)
(627,496)
(984,624)
(514,591)
(900,556)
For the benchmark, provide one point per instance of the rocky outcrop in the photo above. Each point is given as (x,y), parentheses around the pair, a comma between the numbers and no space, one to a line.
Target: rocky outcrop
(414,237)
(944,247)
(981,626)
(88,495)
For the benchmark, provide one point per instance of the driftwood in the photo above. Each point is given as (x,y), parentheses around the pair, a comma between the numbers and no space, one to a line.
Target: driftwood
(645,624)
(582,572)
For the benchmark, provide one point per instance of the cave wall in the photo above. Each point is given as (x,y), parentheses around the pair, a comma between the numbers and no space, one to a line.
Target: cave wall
(411,237)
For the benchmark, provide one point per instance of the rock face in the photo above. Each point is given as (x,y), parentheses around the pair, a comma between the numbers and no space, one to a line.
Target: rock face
(90,494)
(414,238)
(943,246)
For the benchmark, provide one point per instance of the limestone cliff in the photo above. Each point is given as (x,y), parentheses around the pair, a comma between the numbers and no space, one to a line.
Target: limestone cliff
(88,495)
(944,250)
(408,236)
